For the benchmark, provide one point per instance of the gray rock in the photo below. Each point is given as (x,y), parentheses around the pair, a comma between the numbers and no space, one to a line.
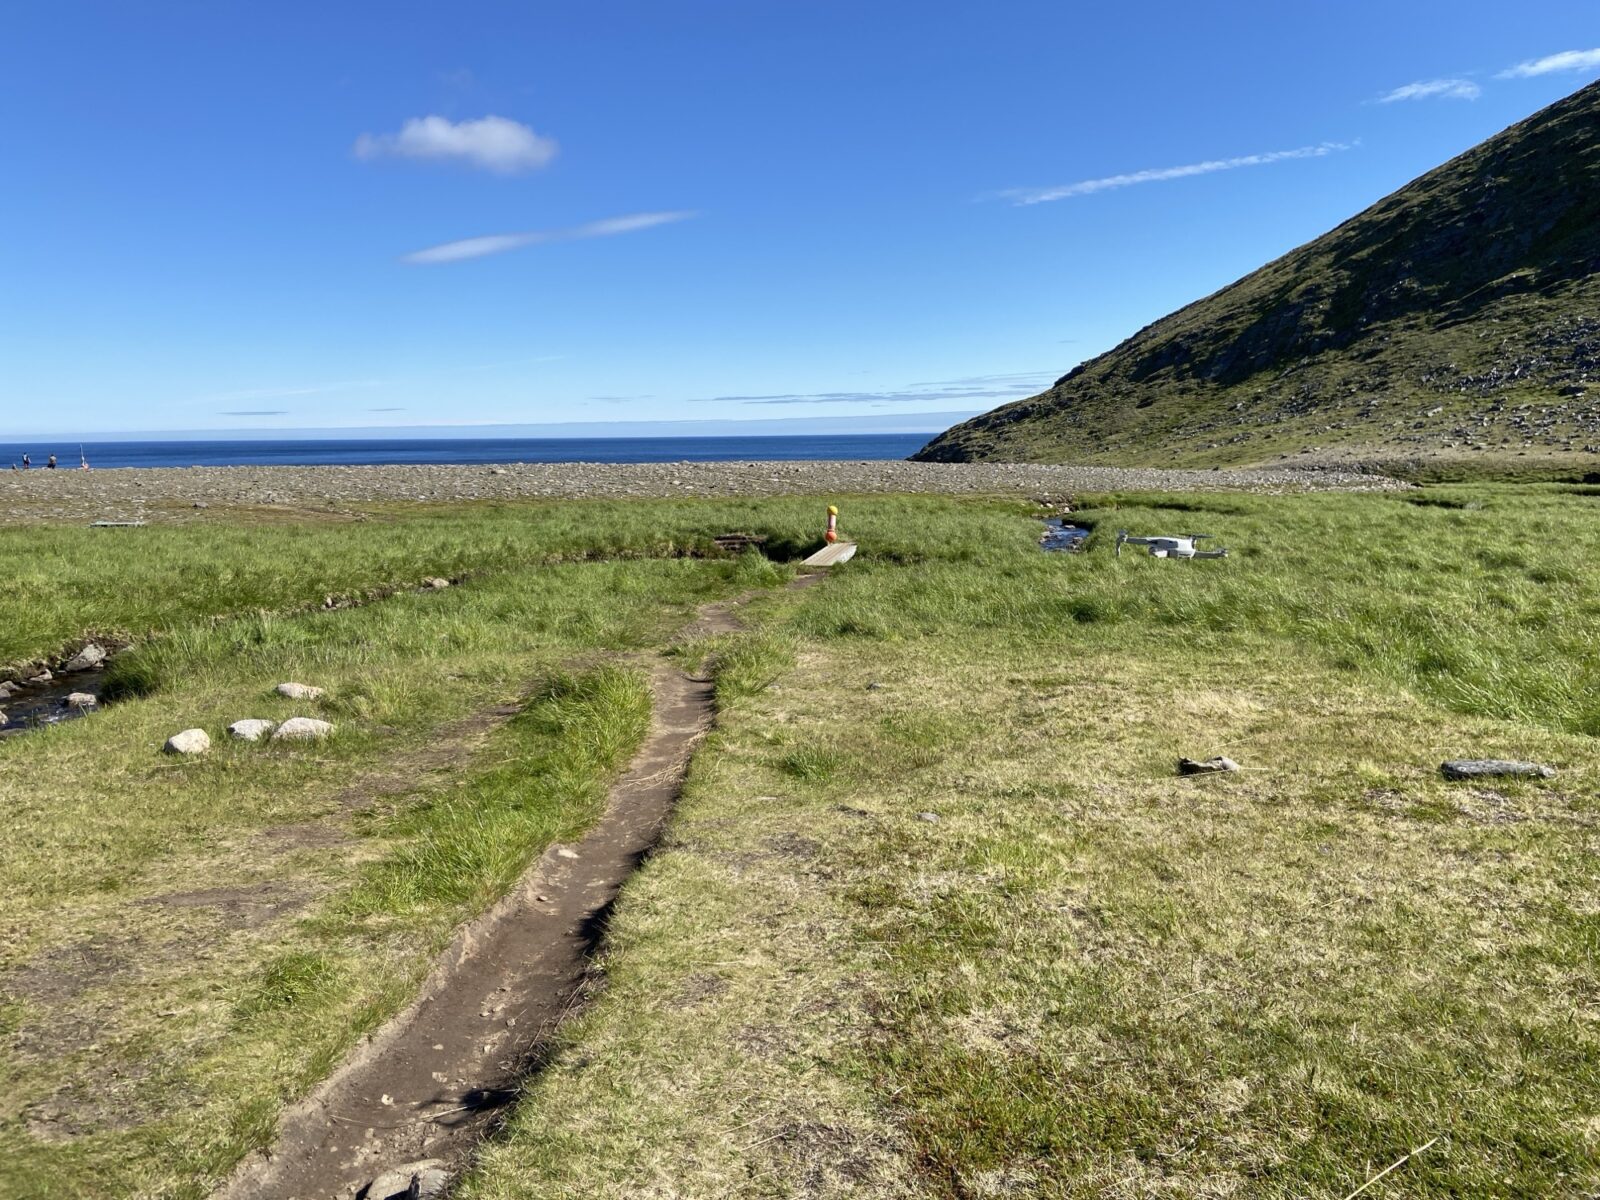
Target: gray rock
(298,691)
(42,677)
(9,689)
(251,729)
(396,1183)
(302,729)
(80,700)
(931,818)
(1490,768)
(87,659)
(1188,766)
(190,741)
(4,720)
(435,583)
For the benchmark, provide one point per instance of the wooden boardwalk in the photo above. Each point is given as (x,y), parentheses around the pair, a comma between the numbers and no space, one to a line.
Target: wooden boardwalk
(831,556)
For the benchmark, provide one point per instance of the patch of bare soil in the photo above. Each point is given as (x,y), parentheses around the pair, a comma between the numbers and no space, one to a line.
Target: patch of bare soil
(437,1079)
(247,907)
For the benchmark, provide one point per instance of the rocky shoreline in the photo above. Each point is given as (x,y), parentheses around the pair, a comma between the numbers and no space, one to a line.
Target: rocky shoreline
(173,494)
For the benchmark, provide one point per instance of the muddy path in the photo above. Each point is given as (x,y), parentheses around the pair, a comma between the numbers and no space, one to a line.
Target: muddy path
(438,1078)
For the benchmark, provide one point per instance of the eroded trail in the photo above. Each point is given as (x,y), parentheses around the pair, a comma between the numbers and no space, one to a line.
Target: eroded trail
(433,1082)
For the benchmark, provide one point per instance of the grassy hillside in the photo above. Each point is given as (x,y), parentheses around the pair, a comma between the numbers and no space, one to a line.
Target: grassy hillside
(1458,318)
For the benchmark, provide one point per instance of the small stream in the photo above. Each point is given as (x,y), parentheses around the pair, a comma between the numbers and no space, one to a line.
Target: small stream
(38,704)
(1062,537)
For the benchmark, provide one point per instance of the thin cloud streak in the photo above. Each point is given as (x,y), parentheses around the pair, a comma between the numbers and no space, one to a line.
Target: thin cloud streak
(1434,89)
(1566,60)
(279,392)
(499,243)
(1087,187)
(256,412)
(1010,386)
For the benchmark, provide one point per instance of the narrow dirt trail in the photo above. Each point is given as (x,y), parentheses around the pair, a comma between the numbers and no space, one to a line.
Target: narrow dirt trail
(435,1080)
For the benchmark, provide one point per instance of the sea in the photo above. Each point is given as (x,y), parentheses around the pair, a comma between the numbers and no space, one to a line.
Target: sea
(355,452)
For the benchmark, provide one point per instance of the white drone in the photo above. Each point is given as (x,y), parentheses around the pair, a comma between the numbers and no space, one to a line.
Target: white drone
(1181,546)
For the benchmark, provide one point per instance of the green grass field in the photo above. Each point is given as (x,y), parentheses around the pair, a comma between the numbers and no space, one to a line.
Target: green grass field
(936,916)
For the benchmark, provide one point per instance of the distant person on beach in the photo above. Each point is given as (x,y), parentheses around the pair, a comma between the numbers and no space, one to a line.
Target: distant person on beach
(27,463)
(51,465)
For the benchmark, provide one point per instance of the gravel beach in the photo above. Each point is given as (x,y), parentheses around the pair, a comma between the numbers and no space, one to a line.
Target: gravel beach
(182,494)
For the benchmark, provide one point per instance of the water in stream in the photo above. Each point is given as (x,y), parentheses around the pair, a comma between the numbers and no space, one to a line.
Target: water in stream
(40,704)
(1062,536)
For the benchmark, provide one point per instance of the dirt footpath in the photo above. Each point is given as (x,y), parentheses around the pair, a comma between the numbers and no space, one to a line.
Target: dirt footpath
(433,1082)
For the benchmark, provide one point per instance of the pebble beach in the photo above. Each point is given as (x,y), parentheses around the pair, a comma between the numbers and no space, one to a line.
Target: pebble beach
(175,494)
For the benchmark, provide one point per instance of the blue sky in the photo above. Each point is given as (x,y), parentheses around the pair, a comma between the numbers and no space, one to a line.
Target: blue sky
(222,216)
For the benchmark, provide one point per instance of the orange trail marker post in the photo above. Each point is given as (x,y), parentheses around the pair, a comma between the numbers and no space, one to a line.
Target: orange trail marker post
(835,551)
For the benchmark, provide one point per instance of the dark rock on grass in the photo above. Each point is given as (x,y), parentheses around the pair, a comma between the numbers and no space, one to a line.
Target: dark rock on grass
(1208,766)
(1493,768)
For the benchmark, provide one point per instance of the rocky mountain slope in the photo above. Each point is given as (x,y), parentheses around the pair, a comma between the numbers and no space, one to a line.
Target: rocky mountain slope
(1458,317)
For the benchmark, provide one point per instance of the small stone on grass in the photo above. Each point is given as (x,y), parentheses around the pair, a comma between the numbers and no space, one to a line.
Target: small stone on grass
(190,741)
(298,691)
(1490,768)
(302,729)
(251,729)
(1189,766)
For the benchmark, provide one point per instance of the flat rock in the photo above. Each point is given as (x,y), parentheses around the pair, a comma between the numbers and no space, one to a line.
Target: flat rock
(190,741)
(251,729)
(395,1183)
(302,729)
(87,659)
(1490,768)
(81,700)
(1206,766)
(42,677)
(298,691)
(8,689)
(435,583)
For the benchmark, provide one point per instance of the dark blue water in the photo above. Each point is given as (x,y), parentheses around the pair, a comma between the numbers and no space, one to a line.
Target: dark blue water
(379,452)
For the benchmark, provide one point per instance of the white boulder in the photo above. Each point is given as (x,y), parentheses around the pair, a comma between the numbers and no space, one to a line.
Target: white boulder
(302,729)
(251,729)
(90,657)
(298,691)
(190,741)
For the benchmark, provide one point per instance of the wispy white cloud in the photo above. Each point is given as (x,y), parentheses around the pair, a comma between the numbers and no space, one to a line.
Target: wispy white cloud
(1010,386)
(274,393)
(1088,187)
(496,144)
(499,243)
(1566,60)
(1434,89)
